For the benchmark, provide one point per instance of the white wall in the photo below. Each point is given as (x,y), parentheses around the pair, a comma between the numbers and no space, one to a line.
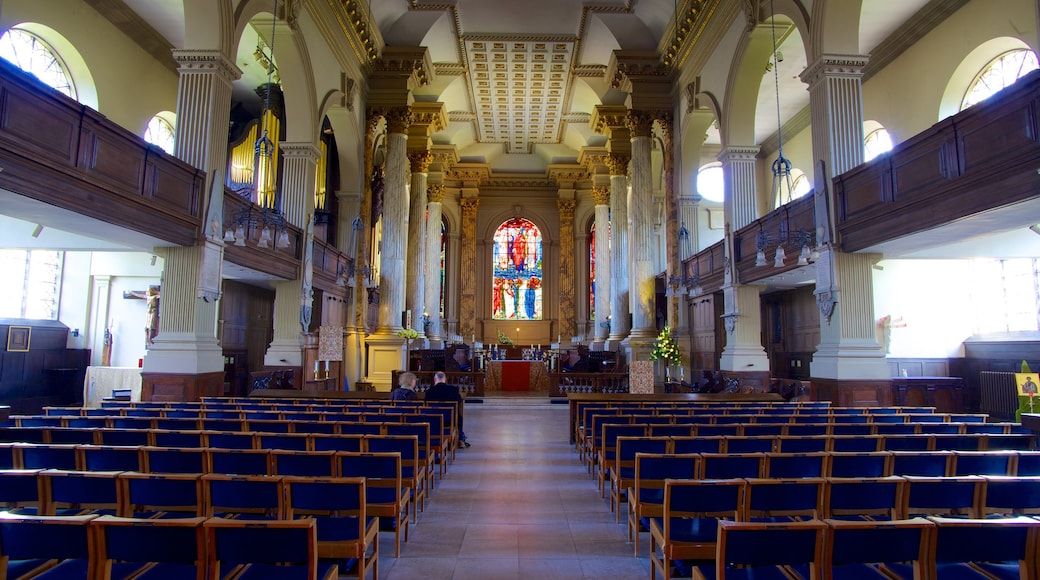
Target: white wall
(126,317)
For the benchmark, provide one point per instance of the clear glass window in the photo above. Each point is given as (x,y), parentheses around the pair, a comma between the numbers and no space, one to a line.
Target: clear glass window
(999,74)
(31,54)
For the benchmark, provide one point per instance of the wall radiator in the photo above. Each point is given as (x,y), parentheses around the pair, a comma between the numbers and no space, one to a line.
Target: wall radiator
(999,395)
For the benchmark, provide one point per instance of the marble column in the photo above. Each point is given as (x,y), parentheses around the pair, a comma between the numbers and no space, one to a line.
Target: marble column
(641,229)
(468,268)
(187,341)
(432,277)
(619,252)
(742,311)
(416,285)
(568,308)
(601,195)
(395,223)
(848,347)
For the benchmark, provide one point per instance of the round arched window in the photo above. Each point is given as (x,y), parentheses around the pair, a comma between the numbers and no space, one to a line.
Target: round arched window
(160,134)
(998,74)
(33,55)
(876,143)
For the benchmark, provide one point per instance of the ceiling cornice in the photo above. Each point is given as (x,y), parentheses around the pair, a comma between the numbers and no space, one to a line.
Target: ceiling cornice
(135,27)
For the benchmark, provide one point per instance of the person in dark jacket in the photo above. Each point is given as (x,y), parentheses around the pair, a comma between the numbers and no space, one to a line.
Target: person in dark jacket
(442,391)
(405,390)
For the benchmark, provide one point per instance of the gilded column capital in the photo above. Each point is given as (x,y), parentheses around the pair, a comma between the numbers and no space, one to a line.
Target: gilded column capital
(566,207)
(420,161)
(435,193)
(666,123)
(372,118)
(601,194)
(469,206)
(640,123)
(618,164)
(398,119)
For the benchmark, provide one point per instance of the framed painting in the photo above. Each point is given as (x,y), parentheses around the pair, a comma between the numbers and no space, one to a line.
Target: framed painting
(18,338)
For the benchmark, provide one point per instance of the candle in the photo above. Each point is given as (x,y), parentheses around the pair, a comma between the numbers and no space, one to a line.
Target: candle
(326,366)
(315,368)
(408,319)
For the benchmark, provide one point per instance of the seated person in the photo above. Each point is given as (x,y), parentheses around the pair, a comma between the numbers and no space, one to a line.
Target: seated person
(405,390)
(442,391)
(461,357)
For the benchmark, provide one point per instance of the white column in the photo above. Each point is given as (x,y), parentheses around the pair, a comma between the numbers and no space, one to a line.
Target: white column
(619,252)
(603,259)
(102,288)
(640,229)
(432,277)
(416,285)
(395,224)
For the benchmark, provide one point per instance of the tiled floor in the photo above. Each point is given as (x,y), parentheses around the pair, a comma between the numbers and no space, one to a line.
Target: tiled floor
(517,504)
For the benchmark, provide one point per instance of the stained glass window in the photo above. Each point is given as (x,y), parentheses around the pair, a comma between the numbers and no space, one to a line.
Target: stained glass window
(592,272)
(517,280)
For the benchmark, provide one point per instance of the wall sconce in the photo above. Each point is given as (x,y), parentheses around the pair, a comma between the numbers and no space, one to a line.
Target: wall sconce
(607,323)
(426,320)
(270,222)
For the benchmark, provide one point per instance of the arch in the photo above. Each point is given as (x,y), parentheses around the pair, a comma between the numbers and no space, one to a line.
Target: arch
(969,67)
(75,66)
(209,25)
(160,130)
(834,28)
(716,175)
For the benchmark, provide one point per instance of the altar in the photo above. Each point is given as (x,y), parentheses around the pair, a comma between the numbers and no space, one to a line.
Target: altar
(101,381)
(516,375)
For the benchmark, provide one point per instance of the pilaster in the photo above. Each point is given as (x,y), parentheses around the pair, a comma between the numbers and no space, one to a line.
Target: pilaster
(286,349)
(298,175)
(568,308)
(739,170)
(468,267)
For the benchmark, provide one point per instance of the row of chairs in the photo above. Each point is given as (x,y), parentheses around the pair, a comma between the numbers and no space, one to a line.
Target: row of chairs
(97,548)
(383,493)
(806,465)
(434,449)
(920,548)
(286,405)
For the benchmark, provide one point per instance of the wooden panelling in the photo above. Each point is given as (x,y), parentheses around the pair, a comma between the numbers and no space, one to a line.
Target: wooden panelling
(38,125)
(46,374)
(167,184)
(111,156)
(783,224)
(853,393)
(284,263)
(176,387)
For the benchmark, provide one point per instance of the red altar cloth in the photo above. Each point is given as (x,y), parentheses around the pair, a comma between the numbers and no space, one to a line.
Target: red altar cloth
(516,375)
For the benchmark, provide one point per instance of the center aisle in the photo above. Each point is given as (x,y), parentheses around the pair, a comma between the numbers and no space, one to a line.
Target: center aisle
(517,504)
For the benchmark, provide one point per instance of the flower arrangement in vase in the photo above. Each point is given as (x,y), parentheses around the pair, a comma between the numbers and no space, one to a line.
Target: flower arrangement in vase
(666,349)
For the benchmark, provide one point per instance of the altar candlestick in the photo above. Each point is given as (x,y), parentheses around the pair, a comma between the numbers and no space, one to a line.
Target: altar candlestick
(315,368)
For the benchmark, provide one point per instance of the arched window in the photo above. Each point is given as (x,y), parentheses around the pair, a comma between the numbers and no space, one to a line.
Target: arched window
(799,186)
(160,133)
(709,183)
(517,271)
(877,142)
(31,54)
(592,270)
(998,74)
(443,269)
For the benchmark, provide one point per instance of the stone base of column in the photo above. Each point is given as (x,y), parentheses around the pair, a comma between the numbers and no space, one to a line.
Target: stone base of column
(284,353)
(850,359)
(177,353)
(637,348)
(353,356)
(744,358)
(181,387)
(385,354)
(853,393)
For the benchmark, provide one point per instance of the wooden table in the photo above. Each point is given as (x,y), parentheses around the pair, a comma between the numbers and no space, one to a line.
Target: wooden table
(516,375)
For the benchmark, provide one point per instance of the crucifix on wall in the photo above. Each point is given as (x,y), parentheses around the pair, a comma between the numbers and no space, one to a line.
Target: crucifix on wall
(151,321)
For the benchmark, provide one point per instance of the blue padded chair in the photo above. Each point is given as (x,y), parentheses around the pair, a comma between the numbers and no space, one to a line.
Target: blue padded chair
(238,461)
(646,496)
(784,500)
(766,551)
(72,436)
(876,499)
(252,497)
(229,440)
(413,467)
(286,550)
(871,464)
(856,443)
(745,444)
(181,439)
(386,490)
(1011,441)
(944,496)
(346,533)
(1011,496)
(729,466)
(46,546)
(983,463)
(331,442)
(793,465)
(857,429)
(1002,548)
(607,450)
(807,429)
(923,463)
(179,421)
(862,550)
(43,456)
(109,458)
(623,471)
(125,437)
(284,441)
(173,460)
(697,444)
(799,444)
(150,549)
(326,427)
(303,463)
(160,496)
(266,425)
(959,442)
(20,491)
(688,526)
(73,493)
(915,442)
